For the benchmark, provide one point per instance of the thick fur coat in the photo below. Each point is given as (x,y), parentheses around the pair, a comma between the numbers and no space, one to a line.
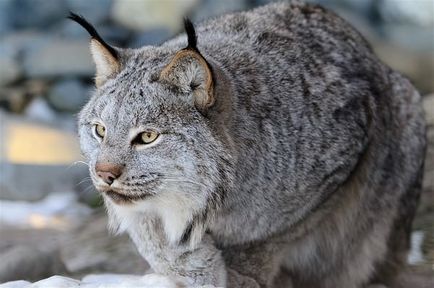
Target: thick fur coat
(286,152)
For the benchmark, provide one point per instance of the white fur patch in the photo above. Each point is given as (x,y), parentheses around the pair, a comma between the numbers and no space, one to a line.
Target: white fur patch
(175,210)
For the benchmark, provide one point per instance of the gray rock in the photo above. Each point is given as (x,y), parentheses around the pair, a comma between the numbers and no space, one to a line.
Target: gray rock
(10,70)
(413,37)
(68,95)
(210,8)
(36,159)
(57,58)
(96,11)
(428,102)
(31,182)
(114,35)
(419,67)
(29,263)
(254,3)
(91,249)
(412,12)
(13,98)
(145,15)
(5,17)
(151,37)
(37,13)
(427,198)
(71,30)
(88,248)
(39,110)
(24,41)
(356,5)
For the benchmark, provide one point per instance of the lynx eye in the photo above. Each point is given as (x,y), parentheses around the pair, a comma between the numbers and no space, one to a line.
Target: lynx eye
(99,130)
(146,137)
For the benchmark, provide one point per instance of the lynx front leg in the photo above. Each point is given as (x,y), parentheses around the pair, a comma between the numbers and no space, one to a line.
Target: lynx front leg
(196,266)
(254,266)
(201,266)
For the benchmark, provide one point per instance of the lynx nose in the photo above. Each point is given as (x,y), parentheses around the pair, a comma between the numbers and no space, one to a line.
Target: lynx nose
(108,172)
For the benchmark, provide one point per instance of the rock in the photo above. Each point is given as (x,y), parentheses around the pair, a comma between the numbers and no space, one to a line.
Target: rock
(413,37)
(5,17)
(10,69)
(91,249)
(35,159)
(37,13)
(59,57)
(413,12)
(254,3)
(13,99)
(428,104)
(58,211)
(29,263)
(16,98)
(426,203)
(151,37)
(145,15)
(114,35)
(419,67)
(210,8)
(39,110)
(31,182)
(35,87)
(96,11)
(22,42)
(68,29)
(85,249)
(69,95)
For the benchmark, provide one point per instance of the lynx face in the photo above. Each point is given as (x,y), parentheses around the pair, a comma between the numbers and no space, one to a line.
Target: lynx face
(145,142)
(148,147)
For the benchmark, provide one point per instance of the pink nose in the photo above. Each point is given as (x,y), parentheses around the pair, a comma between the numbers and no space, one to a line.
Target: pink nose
(108,172)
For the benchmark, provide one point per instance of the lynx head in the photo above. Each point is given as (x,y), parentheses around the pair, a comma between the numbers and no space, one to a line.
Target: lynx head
(148,136)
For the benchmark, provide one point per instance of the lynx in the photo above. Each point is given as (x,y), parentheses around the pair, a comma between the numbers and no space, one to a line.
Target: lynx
(268,148)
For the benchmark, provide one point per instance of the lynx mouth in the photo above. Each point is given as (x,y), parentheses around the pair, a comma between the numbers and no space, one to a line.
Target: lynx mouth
(123,198)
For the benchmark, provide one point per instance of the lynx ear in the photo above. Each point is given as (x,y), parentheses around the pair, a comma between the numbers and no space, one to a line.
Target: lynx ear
(190,72)
(106,57)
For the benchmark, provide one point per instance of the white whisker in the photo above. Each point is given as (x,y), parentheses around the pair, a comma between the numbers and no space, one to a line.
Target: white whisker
(84,180)
(180,180)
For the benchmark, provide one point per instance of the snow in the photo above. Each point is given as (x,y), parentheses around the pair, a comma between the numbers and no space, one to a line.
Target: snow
(100,281)
(415,256)
(57,211)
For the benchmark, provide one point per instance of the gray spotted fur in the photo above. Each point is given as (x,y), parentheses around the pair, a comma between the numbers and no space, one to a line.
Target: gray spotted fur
(306,170)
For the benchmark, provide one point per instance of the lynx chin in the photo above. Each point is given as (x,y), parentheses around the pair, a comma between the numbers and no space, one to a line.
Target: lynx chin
(267,148)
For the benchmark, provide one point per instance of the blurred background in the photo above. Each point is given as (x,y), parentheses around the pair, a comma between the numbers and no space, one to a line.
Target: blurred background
(51,220)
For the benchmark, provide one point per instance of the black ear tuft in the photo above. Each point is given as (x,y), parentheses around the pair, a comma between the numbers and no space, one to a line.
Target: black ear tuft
(191,34)
(92,31)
